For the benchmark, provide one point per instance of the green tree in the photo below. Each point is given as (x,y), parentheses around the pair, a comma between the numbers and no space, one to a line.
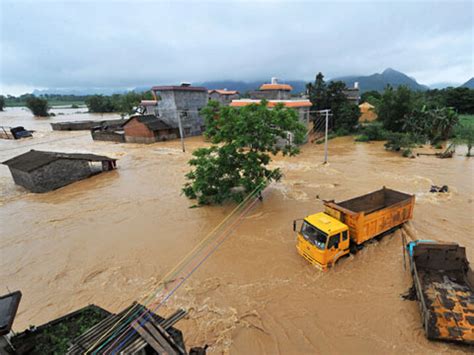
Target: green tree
(435,124)
(465,135)
(372,97)
(38,106)
(317,93)
(394,107)
(242,140)
(99,104)
(347,116)
(2,102)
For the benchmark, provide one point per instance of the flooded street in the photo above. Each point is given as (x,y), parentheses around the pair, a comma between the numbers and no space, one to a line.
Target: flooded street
(109,239)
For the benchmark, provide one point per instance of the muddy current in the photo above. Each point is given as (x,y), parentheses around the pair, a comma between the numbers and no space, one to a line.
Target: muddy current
(109,239)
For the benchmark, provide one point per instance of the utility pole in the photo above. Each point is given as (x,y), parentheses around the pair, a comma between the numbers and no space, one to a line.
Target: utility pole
(326,137)
(181,134)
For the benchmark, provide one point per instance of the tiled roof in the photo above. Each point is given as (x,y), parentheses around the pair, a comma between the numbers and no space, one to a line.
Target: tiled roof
(151,121)
(276,87)
(35,159)
(272,103)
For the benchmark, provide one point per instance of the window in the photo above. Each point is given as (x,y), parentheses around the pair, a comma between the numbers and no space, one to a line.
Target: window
(334,241)
(344,236)
(314,235)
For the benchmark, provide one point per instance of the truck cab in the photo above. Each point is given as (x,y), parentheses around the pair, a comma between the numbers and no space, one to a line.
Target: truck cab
(322,240)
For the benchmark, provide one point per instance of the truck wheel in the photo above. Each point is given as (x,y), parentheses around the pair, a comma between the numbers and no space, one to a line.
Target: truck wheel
(353,248)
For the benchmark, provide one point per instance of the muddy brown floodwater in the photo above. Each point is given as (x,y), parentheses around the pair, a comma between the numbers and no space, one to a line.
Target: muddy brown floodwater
(109,239)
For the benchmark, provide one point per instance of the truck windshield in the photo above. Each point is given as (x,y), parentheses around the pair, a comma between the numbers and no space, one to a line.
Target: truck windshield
(314,235)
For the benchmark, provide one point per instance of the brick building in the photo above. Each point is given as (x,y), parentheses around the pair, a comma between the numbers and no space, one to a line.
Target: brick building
(272,91)
(148,129)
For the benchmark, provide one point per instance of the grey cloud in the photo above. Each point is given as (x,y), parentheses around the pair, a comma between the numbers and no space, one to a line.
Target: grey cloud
(105,44)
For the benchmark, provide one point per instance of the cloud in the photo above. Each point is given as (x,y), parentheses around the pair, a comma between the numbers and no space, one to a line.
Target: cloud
(130,43)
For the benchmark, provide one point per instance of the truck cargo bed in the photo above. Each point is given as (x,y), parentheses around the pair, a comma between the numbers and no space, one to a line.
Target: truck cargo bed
(372,214)
(374,201)
(443,282)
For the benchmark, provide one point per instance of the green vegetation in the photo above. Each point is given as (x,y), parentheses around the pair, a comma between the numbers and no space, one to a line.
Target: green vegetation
(372,132)
(464,132)
(53,100)
(55,338)
(124,104)
(38,106)
(331,96)
(242,140)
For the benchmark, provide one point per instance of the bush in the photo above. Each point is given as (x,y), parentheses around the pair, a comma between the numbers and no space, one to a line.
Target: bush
(362,138)
(401,141)
(38,106)
(374,132)
(74,106)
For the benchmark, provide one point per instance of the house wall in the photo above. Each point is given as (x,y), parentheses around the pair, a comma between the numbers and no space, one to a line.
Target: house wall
(53,175)
(270,95)
(134,128)
(110,136)
(186,104)
(223,99)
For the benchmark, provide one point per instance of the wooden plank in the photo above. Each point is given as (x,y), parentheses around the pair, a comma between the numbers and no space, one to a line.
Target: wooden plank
(149,339)
(166,335)
(160,338)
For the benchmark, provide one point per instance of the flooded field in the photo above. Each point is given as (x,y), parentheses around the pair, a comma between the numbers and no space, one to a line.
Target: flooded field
(109,239)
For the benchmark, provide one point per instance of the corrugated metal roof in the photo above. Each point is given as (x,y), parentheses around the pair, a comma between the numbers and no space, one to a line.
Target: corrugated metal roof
(35,159)
(272,103)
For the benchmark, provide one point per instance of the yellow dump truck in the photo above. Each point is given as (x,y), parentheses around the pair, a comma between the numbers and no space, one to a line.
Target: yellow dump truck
(343,227)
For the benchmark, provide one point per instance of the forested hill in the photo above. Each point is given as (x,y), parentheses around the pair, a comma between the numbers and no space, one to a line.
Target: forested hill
(378,81)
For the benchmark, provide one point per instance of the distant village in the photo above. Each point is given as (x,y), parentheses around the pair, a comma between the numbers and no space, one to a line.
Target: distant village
(173,113)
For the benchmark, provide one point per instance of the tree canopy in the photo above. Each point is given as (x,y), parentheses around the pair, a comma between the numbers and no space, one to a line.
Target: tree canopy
(242,140)
(332,96)
(2,102)
(38,106)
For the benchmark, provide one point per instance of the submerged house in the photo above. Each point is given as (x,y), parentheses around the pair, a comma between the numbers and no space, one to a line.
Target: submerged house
(224,97)
(40,171)
(148,129)
(181,105)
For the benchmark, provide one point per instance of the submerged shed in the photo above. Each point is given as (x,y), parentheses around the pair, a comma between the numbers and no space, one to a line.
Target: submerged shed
(40,171)
(148,129)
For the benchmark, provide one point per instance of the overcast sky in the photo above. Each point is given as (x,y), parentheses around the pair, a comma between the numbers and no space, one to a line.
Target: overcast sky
(62,44)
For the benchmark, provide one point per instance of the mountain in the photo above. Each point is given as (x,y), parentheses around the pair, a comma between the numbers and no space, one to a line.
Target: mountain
(244,86)
(468,84)
(378,81)
(445,85)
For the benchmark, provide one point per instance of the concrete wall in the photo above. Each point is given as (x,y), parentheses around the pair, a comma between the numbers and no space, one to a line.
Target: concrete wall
(186,104)
(223,99)
(110,136)
(52,176)
(270,95)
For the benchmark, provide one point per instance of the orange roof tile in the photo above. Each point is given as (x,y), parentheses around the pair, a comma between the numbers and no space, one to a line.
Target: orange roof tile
(224,92)
(272,103)
(276,87)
